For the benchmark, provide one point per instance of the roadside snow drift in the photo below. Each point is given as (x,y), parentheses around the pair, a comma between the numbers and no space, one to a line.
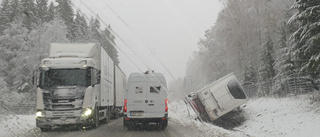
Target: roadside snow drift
(290,117)
(16,125)
(265,117)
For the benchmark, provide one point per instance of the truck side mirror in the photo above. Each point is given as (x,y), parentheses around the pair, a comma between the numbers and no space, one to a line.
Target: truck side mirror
(34,78)
(98,77)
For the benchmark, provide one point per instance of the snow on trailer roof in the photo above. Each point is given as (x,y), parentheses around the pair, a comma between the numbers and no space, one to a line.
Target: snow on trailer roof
(86,50)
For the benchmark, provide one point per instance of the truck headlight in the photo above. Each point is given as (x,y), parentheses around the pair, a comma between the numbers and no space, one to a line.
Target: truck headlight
(40,114)
(86,112)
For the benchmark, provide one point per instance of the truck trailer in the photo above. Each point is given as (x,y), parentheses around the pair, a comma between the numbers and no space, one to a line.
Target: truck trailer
(218,98)
(76,86)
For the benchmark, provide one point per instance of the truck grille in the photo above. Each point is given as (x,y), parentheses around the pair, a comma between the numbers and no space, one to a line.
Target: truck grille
(63,113)
(62,107)
(53,104)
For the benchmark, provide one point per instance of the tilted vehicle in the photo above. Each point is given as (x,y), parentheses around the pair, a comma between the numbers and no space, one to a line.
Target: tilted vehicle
(218,98)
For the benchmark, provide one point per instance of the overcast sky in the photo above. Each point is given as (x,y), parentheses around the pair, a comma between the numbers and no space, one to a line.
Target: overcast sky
(160,35)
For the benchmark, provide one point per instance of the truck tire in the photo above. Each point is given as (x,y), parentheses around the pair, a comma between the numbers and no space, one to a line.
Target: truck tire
(45,129)
(107,116)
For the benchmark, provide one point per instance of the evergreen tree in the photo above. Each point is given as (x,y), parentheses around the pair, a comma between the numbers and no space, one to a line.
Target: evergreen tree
(42,11)
(94,26)
(283,65)
(65,11)
(29,13)
(11,42)
(266,71)
(250,81)
(80,29)
(51,12)
(107,41)
(15,10)
(4,16)
(306,39)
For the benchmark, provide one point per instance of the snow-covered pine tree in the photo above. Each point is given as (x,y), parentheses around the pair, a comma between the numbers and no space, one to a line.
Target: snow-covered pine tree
(80,29)
(4,16)
(266,71)
(51,12)
(94,28)
(65,11)
(42,11)
(250,81)
(283,65)
(29,14)
(306,39)
(107,40)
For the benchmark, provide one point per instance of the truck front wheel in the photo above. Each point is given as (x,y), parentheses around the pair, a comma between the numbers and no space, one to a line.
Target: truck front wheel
(95,118)
(45,129)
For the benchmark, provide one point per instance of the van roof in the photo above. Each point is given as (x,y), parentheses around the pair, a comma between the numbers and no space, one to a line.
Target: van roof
(152,77)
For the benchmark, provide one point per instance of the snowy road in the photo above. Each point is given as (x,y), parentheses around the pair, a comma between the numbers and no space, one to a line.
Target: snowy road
(265,117)
(115,129)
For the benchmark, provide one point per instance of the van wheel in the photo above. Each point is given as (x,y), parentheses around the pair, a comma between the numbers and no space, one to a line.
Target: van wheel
(164,124)
(129,125)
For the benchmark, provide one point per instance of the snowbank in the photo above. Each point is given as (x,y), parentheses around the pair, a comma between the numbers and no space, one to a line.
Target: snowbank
(265,117)
(16,125)
(287,117)
(178,113)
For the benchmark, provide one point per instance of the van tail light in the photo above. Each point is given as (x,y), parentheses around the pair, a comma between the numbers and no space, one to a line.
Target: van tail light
(125,106)
(166,102)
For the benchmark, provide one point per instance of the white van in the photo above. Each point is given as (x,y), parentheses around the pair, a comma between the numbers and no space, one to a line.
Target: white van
(146,100)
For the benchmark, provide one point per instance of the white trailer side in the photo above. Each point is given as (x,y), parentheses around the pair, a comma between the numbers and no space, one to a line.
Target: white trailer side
(106,95)
(120,88)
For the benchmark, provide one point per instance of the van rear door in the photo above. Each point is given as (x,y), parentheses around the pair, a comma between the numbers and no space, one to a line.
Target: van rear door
(156,96)
(136,106)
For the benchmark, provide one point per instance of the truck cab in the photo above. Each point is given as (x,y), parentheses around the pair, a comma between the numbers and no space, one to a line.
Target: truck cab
(146,100)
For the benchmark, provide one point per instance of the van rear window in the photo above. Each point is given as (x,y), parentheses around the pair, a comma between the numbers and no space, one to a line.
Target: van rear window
(139,90)
(155,89)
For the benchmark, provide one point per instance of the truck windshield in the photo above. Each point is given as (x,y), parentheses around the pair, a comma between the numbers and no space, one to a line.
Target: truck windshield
(65,77)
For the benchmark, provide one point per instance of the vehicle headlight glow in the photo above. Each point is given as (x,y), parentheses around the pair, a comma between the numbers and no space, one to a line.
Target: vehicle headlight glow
(40,114)
(86,112)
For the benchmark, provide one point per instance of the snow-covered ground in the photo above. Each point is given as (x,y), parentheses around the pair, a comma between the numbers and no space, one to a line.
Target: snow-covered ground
(291,117)
(16,125)
(265,117)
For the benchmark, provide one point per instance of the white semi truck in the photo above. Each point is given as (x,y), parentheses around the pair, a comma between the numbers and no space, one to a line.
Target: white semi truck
(218,98)
(78,84)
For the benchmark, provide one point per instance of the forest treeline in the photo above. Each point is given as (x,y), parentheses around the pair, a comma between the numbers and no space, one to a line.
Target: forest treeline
(27,27)
(273,46)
